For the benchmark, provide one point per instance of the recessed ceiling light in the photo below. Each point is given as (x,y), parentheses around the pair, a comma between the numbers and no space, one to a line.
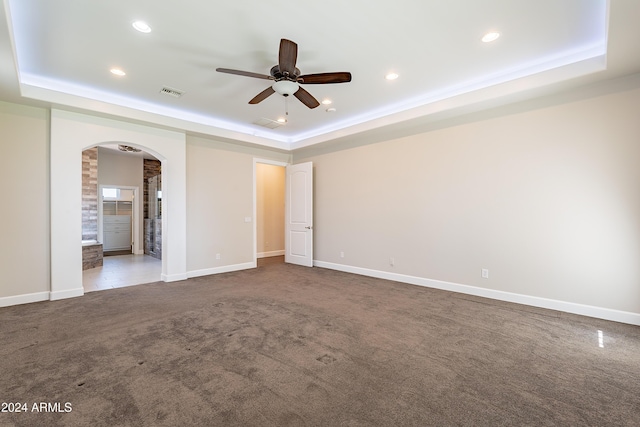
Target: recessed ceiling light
(118,72)
(142,26)
(331,110)
(326,101)
(489,37)
(282,120)
(391,76)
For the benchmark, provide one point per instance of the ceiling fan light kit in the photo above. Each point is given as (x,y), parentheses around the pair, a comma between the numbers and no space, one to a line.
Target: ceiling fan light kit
(285,87)
(287,77)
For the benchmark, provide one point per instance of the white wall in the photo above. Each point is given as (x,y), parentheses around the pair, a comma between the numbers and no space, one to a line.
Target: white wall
(115,168)
(548,200)
(40,262)
(24,215)
(220,181)
(270,190)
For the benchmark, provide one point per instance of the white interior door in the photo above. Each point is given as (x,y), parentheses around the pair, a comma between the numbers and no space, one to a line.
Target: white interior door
(298,243)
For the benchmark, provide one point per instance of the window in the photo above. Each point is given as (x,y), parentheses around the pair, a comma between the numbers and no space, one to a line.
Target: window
(111,193)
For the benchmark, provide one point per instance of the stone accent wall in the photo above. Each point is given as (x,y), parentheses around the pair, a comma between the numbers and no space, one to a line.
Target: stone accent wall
(92,256)
(90,194)
(152,227)
(151,168)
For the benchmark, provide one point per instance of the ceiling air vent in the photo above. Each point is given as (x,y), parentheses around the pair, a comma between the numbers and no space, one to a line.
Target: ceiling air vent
(128,149)
(171,92)
(268,123)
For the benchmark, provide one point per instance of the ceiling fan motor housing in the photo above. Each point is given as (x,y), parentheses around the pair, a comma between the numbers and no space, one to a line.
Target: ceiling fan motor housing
(276,74)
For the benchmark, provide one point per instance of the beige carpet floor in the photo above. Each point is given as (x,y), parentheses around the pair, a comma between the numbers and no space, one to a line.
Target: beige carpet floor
(283,345)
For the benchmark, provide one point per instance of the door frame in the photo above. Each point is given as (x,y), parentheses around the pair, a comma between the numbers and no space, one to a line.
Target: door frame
(255,201)
(135,216)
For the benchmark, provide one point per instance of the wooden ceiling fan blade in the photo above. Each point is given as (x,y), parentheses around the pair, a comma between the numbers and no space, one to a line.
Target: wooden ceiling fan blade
(306,98)
(322,78)
(287,56)
(262,95)
(244,73)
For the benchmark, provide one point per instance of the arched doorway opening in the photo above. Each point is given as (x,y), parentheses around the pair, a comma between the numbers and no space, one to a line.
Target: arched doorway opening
(71,133)
(121,217)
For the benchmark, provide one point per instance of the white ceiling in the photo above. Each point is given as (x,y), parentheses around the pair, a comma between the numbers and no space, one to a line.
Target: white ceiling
(59,53)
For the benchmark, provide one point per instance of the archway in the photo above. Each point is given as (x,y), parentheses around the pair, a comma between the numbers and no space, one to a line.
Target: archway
(71,133)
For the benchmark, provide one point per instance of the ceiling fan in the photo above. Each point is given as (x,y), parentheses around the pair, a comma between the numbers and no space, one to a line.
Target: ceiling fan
(287,77)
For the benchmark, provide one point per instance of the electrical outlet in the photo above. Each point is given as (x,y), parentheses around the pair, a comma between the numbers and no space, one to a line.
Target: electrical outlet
(392,261)
(218,256)
(341,254)
(485,273)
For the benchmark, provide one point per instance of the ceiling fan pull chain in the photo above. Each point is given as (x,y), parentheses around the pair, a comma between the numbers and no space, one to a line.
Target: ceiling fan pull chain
(286,106)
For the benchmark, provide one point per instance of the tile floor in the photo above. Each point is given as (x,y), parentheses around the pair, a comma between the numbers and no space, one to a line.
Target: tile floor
(122,270)
(128,270)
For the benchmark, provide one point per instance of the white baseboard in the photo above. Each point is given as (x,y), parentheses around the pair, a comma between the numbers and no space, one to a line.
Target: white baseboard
(24,299)
(568,307)
(223,269)
(71,293)
(269,254)
(67,293)
(173,277)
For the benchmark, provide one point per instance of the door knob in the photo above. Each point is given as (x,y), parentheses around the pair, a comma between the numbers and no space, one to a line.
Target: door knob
(308,227)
